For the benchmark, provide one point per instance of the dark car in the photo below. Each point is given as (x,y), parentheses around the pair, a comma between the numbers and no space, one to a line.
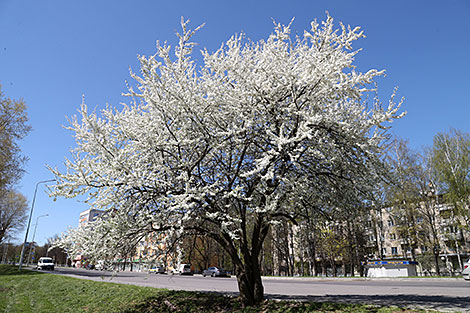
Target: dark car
(215,272)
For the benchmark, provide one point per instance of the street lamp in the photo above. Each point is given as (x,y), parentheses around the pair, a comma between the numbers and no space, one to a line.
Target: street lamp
(29,221)
(34,235)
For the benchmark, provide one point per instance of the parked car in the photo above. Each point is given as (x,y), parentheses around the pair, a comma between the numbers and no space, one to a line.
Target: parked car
(157,270)
(45,263)
(99,266)
(183,269)
(466,270)
(215,272)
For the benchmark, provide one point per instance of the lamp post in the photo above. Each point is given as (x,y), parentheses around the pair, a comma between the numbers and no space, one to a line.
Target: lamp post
(34,235)
(29,221)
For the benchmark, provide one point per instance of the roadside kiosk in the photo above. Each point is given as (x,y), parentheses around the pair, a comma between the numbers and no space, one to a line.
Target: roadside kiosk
(391,268)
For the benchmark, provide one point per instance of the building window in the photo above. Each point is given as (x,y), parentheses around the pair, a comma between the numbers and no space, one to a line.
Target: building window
(394,250)
(390,222)
(393,236)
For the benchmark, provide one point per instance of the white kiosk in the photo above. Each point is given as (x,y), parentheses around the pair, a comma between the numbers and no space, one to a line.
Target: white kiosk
(391,268)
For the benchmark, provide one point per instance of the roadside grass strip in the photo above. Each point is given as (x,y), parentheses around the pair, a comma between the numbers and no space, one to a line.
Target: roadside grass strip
(29,291)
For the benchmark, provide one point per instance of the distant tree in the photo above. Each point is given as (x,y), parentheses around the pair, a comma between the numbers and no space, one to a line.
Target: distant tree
(215,150)
(10,252)
(405,195)
(308,240)
(450,157)
(13,127)
(431,229)
(282,248)
(413,202)
(13,213)
(58,254)
(201,252)
(331,245)
(343,212)
(356,231)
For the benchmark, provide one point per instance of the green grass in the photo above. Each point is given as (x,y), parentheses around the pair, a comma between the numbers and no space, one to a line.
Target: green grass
(28,291)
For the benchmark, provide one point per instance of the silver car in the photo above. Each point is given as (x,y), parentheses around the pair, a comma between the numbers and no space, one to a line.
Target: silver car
(466,270)
(215,272)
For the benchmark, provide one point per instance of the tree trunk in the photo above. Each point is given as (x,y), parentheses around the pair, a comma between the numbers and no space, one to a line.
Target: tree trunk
(436,261)
(2,234)
(333,266)
(250,285)
(246,262)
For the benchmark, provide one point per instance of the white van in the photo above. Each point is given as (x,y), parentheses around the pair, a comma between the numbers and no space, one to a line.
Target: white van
(183,269)
(466,270)
(45,263)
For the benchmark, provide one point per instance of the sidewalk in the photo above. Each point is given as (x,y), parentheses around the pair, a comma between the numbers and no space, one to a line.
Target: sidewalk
(358,278)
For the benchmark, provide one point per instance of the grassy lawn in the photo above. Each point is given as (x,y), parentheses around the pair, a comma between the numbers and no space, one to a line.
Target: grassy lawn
(29,291)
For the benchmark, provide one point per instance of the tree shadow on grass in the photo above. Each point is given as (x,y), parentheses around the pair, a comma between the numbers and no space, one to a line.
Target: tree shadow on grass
(9,270)
(438,303)
(185,301)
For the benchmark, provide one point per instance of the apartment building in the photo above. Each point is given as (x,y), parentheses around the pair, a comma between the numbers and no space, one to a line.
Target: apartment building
(89,215)
(430,231)
(86,217)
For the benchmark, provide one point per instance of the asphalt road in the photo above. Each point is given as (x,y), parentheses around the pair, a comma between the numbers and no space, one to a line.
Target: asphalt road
(442,294)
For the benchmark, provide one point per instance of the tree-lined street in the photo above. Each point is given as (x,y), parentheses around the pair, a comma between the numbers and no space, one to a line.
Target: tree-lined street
(443,294)
(275,142)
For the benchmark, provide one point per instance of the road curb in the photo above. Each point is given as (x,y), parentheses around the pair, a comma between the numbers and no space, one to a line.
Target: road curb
(360,278)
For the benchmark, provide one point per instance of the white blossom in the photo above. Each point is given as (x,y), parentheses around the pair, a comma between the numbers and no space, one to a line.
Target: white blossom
(233,141)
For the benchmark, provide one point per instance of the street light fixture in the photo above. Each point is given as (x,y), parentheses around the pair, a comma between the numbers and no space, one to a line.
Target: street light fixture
(34,235)
(29,221)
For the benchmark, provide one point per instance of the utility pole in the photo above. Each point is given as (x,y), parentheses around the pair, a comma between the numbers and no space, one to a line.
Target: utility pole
(34,235)
(5,250)
(29,221)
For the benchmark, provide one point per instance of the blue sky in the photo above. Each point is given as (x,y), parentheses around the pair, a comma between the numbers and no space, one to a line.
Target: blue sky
(52,52)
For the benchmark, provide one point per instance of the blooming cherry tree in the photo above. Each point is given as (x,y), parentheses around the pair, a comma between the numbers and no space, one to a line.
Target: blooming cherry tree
(228,148)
